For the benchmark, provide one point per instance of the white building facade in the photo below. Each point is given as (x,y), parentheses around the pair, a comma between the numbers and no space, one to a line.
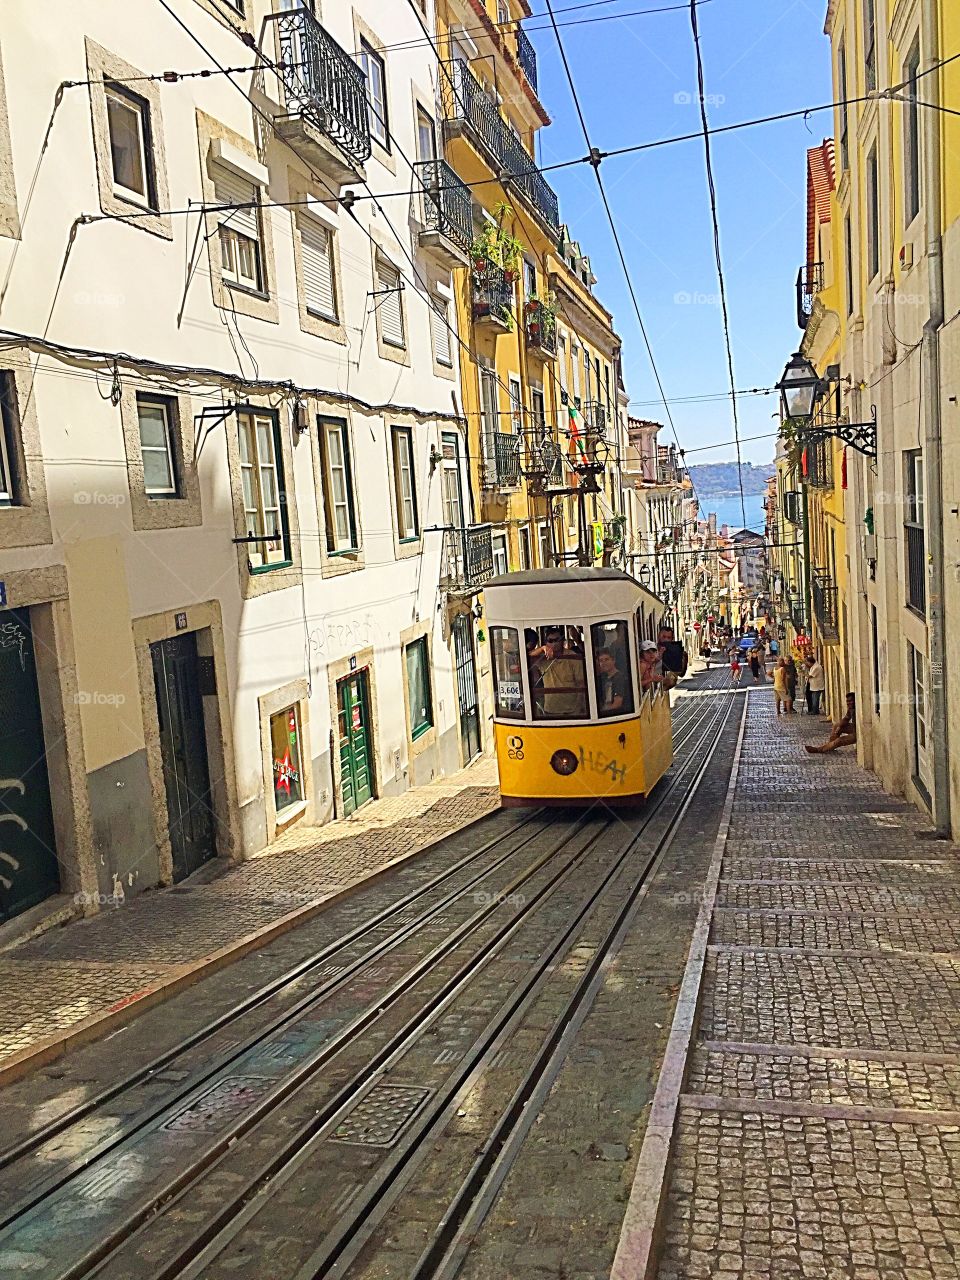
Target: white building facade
(230,433)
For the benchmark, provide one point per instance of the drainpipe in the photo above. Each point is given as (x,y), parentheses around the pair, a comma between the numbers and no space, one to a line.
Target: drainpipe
(932,441)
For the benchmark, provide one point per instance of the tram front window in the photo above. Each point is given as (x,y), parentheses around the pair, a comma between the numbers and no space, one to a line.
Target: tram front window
(507,674)
(611,654)
(558,673)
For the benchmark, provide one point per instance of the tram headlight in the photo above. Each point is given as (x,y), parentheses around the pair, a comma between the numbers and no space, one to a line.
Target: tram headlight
(564,762)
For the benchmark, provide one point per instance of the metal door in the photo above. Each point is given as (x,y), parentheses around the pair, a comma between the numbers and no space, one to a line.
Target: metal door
(466,686)
(183,747)
(28,862)
(353,717)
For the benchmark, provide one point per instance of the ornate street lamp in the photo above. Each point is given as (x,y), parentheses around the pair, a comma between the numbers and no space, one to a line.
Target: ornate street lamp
(800,388)
(643,575)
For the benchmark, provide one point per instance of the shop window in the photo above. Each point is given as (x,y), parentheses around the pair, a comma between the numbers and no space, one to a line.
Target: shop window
(611,658)
(507,674)
(557,671)
(285,747)
(418,688)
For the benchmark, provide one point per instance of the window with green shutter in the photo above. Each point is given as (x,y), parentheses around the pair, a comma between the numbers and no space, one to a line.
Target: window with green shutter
(418,687)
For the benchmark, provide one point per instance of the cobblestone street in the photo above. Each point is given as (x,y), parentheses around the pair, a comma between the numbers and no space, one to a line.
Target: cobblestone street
(819,1131)
(63,979)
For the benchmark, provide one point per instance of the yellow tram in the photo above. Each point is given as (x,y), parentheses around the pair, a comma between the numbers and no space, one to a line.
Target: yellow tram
(579,714)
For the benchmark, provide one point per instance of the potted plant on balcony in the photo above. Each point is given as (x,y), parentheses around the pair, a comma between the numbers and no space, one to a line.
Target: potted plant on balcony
(540,315)
(497,245)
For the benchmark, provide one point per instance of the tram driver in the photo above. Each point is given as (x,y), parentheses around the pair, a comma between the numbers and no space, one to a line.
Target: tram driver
(563,679)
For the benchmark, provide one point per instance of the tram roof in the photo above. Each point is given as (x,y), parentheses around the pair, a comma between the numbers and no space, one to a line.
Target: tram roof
(532,594)
(559,577)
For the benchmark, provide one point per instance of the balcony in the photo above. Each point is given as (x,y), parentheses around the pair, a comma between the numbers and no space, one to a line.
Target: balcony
(467,559)
(540,327)
(793,507)
(819,449)
(527,57)
(447,213)
(824,592)
(322,94)
(501,459)
(544,467)
(809,284)
(492,294)
(468,109)
(595,416)
(916,569)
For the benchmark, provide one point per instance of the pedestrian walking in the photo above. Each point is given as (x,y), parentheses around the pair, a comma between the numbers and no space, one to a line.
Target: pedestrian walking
(791,683)
(816,683)
(755,663)
(781,689)
(735,665)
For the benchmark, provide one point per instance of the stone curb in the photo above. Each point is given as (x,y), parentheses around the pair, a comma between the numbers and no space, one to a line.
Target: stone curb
(635,1258)
(49,1048)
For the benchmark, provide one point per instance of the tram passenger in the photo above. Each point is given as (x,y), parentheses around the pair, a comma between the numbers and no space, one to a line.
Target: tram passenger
(613,684)
(650,671)
(564,677)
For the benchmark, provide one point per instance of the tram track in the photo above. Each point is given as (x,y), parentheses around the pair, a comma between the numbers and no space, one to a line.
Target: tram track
(554,866)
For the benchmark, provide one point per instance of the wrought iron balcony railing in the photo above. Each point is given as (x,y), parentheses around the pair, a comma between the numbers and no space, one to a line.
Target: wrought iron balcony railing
(527,57)
(492,293)
(467,561)
(447,203)
(321,85)
(540,326)
(793,506)
(824,592)
(468,104)
(809,284)
(501,459)
(596,417)
(916,568)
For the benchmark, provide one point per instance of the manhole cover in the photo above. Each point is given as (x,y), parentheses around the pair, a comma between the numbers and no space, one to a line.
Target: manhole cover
(380,1118)
(219,1104)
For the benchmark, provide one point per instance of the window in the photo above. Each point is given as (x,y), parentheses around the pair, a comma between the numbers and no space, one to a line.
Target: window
(319,281)
(503,12)
(156,446)
(848,250)
(285,749)
(870,44)
(9,496)
(418,688)
(843,109)
(338,500)
(507,674)
(240,253)
(538,410)
(501,560)
(914,513)
(440,333)
(611,658)
(404,479)
(911,136)
(516,404)
(557,672)
(575,370)
(525,547)
(873,214)
(264,493)
(875,651)
(426,136)
(128,119)
(545,545)
(923,743)
(389,304)
(373,69)
(529,278)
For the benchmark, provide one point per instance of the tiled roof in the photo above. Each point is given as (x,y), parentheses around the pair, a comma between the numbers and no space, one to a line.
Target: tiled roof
(821,183)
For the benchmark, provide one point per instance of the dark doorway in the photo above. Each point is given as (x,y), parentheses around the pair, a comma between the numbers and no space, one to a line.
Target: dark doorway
(468,701)
(29,871)
(183,746)
(353,719)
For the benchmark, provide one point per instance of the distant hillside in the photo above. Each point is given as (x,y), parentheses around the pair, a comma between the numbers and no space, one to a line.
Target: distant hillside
(719,479)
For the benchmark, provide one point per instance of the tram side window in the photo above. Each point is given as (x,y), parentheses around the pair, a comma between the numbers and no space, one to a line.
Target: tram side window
(611,656)
(558,672)
(507,677)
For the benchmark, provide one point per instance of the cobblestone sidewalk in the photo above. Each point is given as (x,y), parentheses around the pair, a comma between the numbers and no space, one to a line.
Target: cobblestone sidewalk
(94,967)
(819,1134)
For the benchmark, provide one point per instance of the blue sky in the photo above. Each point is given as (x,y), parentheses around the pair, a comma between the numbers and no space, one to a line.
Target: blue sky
(636,78)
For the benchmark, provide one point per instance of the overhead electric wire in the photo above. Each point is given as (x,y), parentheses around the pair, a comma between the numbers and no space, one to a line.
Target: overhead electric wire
(714,217)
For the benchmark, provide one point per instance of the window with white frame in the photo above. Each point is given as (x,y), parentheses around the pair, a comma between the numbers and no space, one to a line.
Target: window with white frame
(264,492)
(405,484)
(9,479)
(390,304)
(419,693)
(911,135)
(873,214)
(155,416)
(440,330)
(339,504)
(128,119)
(516,404)
(524,547)
(319,279)
(373,69)
(545,548)
(503,12)
(241,254)
(500,557)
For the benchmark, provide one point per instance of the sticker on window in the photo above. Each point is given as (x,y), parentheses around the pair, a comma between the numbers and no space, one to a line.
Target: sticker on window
(509,690)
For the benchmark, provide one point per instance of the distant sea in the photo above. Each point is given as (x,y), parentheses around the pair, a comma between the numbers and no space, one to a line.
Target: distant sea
(729,511)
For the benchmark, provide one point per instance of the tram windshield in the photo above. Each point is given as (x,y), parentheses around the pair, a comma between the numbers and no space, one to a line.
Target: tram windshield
(611,656)
(557,672)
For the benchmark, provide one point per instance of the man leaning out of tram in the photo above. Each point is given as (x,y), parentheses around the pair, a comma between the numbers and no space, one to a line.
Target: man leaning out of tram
(564,678)
(651,671)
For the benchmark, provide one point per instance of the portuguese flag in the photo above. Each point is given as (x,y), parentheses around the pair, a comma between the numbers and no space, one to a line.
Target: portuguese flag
(578,452)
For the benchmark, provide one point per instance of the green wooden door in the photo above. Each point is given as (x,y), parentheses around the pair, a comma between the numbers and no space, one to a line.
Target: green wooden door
(28,861)
(356,773)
